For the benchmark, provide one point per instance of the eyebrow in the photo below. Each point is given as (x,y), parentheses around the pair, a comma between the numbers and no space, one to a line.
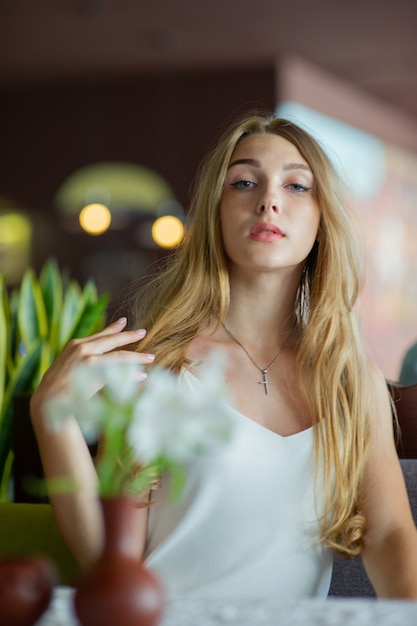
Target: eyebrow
(296,166)
(245,162)
(286,167)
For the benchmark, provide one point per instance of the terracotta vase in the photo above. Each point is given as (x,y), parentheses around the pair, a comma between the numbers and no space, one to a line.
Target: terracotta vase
(119,589)
(26,586)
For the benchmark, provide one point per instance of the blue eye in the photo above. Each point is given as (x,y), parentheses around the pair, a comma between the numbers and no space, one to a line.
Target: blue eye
(243,184)
(298,187)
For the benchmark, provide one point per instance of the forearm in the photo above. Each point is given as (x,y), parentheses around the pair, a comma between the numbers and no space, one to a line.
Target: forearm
(392,565)
(65,455)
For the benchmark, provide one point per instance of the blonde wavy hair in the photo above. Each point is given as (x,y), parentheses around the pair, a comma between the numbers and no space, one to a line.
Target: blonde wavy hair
(333,371)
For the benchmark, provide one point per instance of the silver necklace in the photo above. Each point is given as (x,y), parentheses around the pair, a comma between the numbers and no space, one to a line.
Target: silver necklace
(264,370)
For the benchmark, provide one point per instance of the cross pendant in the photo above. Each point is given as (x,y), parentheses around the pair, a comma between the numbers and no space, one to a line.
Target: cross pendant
(265,381)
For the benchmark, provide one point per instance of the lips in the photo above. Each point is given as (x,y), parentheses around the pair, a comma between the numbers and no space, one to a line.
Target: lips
(265,231)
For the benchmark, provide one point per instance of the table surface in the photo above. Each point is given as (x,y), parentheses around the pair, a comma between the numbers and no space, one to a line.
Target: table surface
(193,612)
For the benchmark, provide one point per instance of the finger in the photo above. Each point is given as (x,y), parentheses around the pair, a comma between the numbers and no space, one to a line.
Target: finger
(121,356)
(106,342)
(110,329)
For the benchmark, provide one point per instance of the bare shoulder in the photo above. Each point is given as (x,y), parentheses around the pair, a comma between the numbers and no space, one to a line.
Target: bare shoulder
(377,383)
(379,405)
(203,344)
(382,464)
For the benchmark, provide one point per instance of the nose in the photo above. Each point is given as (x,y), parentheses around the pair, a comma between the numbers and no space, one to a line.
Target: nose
(267,203)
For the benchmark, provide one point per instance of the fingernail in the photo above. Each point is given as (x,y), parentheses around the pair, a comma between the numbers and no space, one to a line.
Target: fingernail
(150,357)
(122,320)
(142,375)
(140,331)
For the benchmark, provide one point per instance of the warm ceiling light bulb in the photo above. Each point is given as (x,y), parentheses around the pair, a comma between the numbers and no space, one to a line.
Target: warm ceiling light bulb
(14,229)
(167,231)
(95,219)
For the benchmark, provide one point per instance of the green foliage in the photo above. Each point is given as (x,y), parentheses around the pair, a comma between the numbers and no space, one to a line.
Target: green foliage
(37,319)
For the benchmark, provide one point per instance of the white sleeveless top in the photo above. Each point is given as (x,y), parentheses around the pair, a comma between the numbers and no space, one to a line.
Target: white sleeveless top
(246,523)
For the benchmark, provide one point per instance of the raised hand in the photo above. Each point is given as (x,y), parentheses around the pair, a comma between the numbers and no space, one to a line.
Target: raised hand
(109,345)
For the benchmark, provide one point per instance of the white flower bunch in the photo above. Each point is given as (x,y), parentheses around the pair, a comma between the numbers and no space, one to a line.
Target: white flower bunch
(146,427)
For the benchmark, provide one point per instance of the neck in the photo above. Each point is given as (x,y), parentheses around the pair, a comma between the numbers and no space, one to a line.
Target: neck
(261,309)
(260,321)
(265,301)
(260,335)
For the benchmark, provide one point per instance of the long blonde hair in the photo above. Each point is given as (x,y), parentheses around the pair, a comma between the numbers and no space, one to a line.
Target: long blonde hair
(333,371)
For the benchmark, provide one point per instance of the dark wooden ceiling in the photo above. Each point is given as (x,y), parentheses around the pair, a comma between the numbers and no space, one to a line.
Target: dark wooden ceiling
(371,43)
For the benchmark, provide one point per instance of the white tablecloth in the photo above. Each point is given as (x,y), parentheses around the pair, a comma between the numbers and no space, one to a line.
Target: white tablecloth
(187,612)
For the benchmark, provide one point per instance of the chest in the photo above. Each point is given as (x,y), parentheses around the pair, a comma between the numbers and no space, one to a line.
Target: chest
(270,396)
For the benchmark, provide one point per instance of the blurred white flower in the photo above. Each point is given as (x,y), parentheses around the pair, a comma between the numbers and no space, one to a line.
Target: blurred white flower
(153,424)
(169,424)
(120,381)
(93,393)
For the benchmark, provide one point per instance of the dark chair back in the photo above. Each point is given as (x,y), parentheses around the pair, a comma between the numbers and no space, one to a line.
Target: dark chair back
(405,402)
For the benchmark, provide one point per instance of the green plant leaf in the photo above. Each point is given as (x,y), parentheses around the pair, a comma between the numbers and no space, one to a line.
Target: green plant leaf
(31,312)
(14,338)
(92,319)
(20,383)
(45,361)
(3,339)
(53,292)
(36,320)
(90,292)
(5,494)
(70,313)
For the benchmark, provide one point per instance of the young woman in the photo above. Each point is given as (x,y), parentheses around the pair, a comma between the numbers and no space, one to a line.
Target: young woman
(270,273)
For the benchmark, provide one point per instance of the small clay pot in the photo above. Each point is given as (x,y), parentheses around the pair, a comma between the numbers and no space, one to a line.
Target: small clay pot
(26,586)
(119,589)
